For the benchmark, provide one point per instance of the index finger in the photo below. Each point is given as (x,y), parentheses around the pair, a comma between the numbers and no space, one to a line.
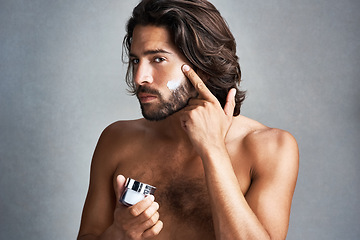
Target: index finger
(199,85)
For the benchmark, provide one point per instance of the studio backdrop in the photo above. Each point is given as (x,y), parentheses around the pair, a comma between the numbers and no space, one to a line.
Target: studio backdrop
(62,83)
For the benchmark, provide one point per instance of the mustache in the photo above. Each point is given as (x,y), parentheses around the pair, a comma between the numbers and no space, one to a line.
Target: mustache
(145,89)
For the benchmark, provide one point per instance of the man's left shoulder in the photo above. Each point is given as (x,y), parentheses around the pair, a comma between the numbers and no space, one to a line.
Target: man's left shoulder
(269,145)
(277,154)
(272,139)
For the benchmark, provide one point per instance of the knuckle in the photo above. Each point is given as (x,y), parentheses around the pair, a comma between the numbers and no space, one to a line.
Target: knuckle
(154,229)
(126,227)
(131,235)
(191,115)
(200,85)
(152,232)
(147,214)
(153,220)
(191,73)
(134,211)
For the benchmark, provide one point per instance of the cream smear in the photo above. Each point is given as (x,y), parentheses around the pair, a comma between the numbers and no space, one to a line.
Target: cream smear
(173,84)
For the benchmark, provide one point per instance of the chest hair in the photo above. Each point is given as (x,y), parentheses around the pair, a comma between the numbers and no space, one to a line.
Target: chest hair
(187,201)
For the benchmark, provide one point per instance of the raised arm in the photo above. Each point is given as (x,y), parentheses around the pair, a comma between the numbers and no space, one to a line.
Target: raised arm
(264,212)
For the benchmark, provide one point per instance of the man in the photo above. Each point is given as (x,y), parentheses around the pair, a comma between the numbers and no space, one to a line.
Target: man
(218,175)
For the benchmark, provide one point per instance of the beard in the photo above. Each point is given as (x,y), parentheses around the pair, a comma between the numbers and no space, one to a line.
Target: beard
(165,108)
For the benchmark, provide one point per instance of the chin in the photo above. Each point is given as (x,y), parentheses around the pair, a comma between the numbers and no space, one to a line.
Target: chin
(162,114)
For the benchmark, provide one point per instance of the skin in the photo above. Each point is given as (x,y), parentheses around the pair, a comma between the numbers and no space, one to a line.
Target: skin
(243,173)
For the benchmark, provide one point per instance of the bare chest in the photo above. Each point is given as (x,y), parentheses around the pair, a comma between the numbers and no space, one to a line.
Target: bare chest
(181,191)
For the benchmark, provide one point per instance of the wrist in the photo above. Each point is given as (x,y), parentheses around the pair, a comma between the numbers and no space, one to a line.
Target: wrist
(213,151)
(113,232)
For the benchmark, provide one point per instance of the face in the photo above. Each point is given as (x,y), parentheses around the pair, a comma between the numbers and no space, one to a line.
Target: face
(162,88)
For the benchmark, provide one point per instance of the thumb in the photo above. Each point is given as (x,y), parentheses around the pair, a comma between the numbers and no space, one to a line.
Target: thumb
(230,103)
(119,186)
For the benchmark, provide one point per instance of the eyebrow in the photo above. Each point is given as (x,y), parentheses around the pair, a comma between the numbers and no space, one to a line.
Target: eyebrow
(150,52)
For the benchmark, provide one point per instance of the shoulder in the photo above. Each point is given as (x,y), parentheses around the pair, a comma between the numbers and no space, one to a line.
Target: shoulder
(268,148)
(116,139)
(123,127)
(270,141)
(121,131)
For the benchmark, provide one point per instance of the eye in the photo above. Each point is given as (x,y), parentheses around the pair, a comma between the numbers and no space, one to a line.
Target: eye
(159,59)
(134,61)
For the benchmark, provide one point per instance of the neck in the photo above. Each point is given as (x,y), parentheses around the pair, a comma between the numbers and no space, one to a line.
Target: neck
(170,128)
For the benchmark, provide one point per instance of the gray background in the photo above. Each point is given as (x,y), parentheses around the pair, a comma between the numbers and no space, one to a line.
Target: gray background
(62,83)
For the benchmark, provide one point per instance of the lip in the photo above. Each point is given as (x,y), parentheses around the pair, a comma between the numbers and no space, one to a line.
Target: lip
(146,97)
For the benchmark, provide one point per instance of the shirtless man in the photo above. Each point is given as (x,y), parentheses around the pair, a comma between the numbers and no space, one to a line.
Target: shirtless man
(219,175)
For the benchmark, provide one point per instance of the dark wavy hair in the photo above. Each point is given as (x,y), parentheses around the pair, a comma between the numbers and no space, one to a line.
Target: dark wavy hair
(201,34)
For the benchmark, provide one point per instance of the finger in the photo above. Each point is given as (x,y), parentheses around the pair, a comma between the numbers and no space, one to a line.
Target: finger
(189,108)
(199,85)
(149,212)
(196,101)
(141,206)
(119,188)
(149,223)
(230,103)
(155,230)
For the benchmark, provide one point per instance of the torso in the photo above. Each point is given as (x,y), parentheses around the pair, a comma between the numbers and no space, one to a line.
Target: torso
(177,173)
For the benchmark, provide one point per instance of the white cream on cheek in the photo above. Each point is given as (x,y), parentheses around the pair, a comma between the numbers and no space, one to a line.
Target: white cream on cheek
(173,84)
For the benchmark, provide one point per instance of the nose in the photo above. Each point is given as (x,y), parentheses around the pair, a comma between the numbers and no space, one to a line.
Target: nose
(143,74)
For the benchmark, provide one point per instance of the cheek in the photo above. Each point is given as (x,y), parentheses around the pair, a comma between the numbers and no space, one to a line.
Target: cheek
(176,82)
(173,84)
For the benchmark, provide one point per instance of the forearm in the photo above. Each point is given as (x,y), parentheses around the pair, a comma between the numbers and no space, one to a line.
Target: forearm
(233,218)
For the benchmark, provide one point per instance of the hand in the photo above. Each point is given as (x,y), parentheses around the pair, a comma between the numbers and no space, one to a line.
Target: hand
(140,221)
(204,120)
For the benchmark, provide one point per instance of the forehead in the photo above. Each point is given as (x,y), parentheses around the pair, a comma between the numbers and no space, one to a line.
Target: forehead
(151,37)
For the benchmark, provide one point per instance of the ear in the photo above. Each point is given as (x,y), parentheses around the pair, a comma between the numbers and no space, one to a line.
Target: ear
(205,77)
